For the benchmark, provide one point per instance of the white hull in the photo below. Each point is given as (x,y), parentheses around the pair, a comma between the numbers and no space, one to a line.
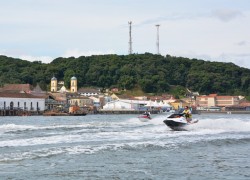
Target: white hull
(177,122)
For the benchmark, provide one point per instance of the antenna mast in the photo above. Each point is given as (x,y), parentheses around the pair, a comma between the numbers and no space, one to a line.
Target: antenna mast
(157,39)
(130,39)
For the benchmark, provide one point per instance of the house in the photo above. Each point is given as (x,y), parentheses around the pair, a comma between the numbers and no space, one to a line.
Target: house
(213,100)
(96,101)
(23,101)
(115,89)
(177,104)
(81,101)
(88,92)
(158,105)
(243,106)
(55,101)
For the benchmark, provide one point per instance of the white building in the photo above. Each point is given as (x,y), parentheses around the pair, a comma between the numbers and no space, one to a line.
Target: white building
(118,105)
(23,101)
(89,92)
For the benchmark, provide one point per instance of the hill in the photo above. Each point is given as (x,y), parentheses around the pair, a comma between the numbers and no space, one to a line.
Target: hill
(151,73)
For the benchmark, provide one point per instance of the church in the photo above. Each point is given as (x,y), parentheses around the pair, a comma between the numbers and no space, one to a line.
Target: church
(56,86)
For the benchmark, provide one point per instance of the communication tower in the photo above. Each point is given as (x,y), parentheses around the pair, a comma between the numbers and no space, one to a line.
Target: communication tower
(130,39)
(157,39)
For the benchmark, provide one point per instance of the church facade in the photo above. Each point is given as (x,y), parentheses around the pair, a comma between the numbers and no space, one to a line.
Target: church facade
(54,85)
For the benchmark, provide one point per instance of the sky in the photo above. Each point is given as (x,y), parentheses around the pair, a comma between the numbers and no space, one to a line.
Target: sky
(42,30)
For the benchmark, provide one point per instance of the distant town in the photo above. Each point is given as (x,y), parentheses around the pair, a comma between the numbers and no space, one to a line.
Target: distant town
(25,100)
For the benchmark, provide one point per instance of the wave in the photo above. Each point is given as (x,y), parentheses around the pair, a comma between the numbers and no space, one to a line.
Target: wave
(222,125)
(142,135)
(129,130)
(172,144)
(5,128)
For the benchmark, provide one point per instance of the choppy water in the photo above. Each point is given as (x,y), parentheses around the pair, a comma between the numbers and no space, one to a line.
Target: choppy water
(122,147)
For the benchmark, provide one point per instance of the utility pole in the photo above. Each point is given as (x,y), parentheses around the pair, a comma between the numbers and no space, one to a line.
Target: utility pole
(130,51)
(157,39)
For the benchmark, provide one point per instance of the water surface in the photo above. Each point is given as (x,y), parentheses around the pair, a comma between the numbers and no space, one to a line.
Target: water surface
(122,147)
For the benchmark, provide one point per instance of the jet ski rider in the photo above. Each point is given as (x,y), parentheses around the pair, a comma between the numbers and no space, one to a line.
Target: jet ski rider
(147,113)
(188,114)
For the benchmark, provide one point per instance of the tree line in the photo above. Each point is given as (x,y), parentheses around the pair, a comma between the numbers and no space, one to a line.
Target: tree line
(152,73)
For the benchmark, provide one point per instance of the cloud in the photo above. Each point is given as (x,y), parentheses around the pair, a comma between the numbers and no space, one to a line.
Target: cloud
(77,53)
(21,55)
(239,59)
(227,15)
(242,43)
(224,15)
(48,59)
(171,17)
(44,59)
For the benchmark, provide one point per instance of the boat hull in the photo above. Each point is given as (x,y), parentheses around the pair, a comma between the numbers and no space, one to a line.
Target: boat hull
(178,122)
(177,126)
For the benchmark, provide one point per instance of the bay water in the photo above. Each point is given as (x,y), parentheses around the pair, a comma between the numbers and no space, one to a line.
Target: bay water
(123,147)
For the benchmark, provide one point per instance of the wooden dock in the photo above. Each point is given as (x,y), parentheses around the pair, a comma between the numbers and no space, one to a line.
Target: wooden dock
(14,112)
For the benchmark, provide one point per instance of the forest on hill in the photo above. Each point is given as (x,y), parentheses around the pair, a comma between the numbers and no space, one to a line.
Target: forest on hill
(149,72)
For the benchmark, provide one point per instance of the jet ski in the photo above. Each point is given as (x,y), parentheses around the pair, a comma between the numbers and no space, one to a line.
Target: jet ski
(178,122)
(144,117)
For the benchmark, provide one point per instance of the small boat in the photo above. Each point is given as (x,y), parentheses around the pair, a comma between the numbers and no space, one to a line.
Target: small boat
(178,122)
(144,117)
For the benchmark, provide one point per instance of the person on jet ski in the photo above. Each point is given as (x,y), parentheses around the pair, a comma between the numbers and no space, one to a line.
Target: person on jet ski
(147,113)
(188,114)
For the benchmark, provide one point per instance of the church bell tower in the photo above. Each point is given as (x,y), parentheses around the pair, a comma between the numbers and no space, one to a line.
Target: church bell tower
(53,84)
(73,84)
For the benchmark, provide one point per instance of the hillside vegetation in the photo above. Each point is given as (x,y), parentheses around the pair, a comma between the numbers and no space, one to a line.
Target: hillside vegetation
(147,72)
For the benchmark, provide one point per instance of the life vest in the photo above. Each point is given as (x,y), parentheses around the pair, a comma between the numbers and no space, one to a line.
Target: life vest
(187,113)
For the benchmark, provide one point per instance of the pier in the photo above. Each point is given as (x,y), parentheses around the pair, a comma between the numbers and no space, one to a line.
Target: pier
(14,112)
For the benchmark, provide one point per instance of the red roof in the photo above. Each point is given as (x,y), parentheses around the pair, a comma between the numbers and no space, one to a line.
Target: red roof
(18,95)
(213,95)
(218,97)
(17,87)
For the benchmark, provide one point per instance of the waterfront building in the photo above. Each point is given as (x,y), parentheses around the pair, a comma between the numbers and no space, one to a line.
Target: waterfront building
(118,105)
(88,92)
(96,101)
(178,104)
(81,101)
(22,101)
(214,100)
